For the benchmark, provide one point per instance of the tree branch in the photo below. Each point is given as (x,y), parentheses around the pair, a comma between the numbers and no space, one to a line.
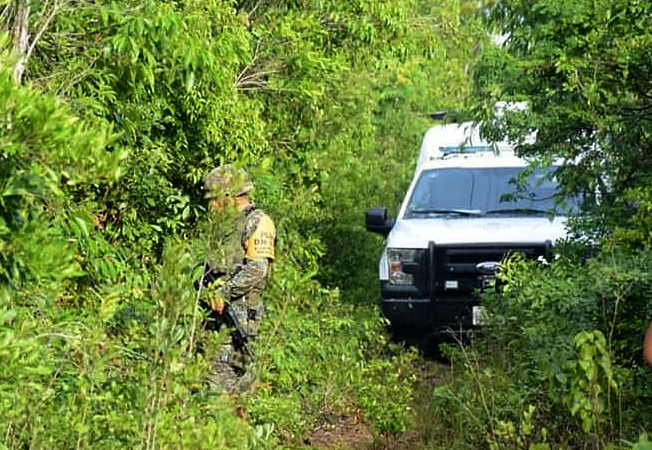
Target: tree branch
(250,78)
(5,13)
(55,7)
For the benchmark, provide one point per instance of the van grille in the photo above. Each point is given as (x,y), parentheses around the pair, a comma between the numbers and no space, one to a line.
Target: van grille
(453,268)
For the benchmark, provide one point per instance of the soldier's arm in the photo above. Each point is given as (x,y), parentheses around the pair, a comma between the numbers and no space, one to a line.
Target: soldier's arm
(259,252)
(251,275)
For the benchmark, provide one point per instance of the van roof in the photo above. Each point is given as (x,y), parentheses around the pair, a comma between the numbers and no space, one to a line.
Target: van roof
(444,141)
(479,159)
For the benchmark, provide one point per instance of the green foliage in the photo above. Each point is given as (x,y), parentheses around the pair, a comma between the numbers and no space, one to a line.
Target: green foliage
(325,360)
(125,107)
(572,327)
(634,232)
(564,339)
(579,65)
(586,377)
(386,131)
(46,153)
(139,385)
(643,443)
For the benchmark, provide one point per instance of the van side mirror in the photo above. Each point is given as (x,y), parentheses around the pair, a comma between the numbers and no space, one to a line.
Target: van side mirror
(376,221)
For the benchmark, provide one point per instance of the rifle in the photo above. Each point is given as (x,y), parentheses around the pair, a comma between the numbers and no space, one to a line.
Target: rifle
(239,334)
(207,278)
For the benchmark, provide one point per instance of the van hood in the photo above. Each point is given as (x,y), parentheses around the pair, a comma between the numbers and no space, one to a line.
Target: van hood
(416,233)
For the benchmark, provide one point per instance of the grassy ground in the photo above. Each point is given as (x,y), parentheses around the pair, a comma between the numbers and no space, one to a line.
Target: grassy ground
(352,433)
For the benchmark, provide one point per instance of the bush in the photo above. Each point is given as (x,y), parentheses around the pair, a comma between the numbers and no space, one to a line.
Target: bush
(562,348)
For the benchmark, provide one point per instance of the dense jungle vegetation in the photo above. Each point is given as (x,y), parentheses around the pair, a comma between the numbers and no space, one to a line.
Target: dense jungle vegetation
(111,113)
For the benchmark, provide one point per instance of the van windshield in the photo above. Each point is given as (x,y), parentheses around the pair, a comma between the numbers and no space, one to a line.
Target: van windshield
(486,190)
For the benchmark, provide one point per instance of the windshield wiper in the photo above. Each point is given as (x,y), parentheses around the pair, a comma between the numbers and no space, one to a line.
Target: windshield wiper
(517,211)
(461,212)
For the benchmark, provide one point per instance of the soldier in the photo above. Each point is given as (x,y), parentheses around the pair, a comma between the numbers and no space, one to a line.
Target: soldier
(241,251)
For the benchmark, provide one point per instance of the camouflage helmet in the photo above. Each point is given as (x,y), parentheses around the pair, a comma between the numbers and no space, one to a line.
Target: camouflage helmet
(227,180)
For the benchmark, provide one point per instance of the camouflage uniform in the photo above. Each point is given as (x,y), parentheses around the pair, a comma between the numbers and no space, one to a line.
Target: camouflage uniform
(241,249)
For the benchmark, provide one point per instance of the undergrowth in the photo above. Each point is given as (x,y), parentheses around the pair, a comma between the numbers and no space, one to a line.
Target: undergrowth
(559,364)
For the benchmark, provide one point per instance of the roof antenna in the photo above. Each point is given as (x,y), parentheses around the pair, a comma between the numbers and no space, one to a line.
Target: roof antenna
(439,115)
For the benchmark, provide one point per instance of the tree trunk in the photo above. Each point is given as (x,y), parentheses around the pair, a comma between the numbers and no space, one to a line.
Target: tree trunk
(21,37)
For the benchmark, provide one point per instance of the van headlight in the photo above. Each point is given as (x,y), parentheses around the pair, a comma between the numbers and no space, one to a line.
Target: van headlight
(395,259)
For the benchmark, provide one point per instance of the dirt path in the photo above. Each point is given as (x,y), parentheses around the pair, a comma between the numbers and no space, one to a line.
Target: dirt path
(345,433)
(352,433)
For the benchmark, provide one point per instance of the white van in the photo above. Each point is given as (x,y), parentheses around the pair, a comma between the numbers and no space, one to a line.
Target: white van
(455,226)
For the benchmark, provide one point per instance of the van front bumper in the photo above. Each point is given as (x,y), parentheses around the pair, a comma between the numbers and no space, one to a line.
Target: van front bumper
(409,312)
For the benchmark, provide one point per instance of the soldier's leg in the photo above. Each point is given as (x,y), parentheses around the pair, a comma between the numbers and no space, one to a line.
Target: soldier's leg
(224,375)
(229,366)
(254,316)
